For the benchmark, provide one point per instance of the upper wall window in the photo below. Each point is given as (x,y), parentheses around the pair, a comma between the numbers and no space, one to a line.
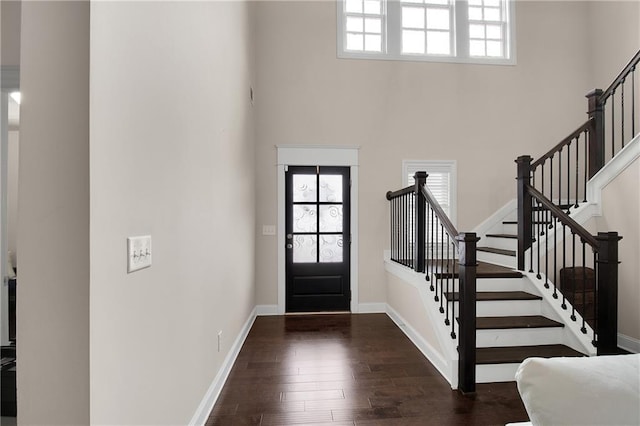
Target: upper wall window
(473,31)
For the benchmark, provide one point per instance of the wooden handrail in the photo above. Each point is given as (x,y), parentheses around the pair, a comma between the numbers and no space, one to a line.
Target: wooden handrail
(623,74)
(400,192)
(564,217)
(562,144)
(444,219)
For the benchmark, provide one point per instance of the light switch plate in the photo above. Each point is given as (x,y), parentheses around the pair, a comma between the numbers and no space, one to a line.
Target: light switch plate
(138,253)
(268,230)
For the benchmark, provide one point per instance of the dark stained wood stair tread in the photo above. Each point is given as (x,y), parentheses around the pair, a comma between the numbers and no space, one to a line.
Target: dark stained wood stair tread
(508,322)
(509,236)
(561,206)
(517,354)
(493,250)
(484,270)
(483,296)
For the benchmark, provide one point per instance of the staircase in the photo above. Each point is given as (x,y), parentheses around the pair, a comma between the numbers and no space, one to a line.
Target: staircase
(495,304)
(513,322)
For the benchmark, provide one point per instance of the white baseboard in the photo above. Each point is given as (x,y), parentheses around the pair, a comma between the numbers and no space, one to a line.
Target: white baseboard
(266,310)
(206,405)
(628,343)
(372,308)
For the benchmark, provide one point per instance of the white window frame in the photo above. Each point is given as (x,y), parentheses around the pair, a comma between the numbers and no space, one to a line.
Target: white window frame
(392,29)
(409,167)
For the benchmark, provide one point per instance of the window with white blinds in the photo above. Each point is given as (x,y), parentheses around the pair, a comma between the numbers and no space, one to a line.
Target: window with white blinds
(441,181)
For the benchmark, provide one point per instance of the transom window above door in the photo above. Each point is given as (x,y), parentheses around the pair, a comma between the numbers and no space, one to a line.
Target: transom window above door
(475,31)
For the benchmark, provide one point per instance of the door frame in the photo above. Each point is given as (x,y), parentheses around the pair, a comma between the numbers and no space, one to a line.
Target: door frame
(317,155)
(10,82)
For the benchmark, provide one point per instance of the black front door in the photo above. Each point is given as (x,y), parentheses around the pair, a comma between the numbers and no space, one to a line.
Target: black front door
(317,239)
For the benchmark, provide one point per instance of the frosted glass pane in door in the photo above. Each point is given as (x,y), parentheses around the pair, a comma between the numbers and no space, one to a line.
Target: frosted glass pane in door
(331,218)
(304,249)
(330,248)
(304,188)
(331,188)
(305,218)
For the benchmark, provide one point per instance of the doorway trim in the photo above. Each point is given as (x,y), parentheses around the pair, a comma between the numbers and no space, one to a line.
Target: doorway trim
(9,82)
(317,155)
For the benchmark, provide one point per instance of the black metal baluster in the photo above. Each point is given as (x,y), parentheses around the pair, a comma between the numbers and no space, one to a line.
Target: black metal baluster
(453,305)
(613,120)
(546,256)
(533,227)
(551,183)
(559,179)
(596,272)
(431,243)
(542,191)
(577,168)
(586,165)
(574,289)
(449,298)
(584,288)
(539,233)
(393,228)
(633,101)
(555,257)
(564,264)
(442,269)
(427,238)
(622,110)
(412,239)
(569,204)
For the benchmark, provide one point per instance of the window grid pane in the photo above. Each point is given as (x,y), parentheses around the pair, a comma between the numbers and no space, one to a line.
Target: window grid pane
(364,25)
(426,28)
(487,28)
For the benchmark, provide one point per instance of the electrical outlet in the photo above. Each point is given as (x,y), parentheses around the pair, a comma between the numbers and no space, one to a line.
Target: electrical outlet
(138,253)
(219,340)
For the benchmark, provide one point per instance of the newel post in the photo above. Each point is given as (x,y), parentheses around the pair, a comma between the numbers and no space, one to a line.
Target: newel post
(596,134)
(467,242)
(607,328)
(524,208)
(419,251)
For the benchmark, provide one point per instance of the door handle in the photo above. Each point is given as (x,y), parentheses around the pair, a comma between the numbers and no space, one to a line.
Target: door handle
(289,246)
(289,236)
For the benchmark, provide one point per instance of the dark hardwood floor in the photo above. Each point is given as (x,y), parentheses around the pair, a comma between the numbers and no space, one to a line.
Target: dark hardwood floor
(348,370)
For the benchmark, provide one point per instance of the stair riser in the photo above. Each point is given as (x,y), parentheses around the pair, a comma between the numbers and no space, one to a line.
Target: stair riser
(501,243)
(497,259)
(495,284)
(519,337)
(490,373)
(504,308)
(510,228)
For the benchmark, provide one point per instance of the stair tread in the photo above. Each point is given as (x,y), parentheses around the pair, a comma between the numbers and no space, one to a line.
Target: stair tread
(510,236)
(483,296)
(494,250)
(509,322)
(517,354)
(515,222)
(484,270)
(561,206)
